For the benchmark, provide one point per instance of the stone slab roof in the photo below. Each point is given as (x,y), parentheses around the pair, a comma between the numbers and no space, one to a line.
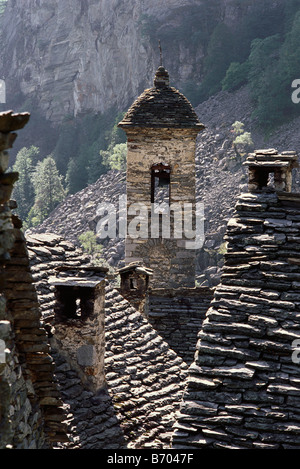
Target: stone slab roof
(82,276)
(136,267)
(75,282)
(161,107)
(145,377)
(243,388)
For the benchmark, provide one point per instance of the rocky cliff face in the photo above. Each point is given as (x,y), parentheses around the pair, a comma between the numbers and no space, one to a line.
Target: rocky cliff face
(76,56)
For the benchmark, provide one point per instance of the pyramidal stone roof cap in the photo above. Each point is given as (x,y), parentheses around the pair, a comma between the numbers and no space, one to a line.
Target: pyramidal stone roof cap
(161,107)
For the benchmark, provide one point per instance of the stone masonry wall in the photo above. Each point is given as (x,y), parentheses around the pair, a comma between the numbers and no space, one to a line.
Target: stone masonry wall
(82,342)
(30,413)
(172,263)
(91,419)
(31,340)
(20,417)
(177,315)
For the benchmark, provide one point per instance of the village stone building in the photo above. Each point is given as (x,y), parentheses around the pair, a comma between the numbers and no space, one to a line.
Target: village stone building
(161,128)
(129,403)
(80,367)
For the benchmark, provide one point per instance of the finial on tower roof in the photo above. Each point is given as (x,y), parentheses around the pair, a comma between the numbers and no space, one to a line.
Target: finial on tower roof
(161,79)
(160,52)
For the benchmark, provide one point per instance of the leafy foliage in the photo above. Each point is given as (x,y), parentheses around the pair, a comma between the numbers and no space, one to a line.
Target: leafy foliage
(115,158)
(243,141)
(48,189)
(3,4)
(24,190)
(236,76)
(202,29)
(67,144)
(89,244)
(79,150)
(217,62)
(88,241)
(76,159)
(238,127)
(273,67)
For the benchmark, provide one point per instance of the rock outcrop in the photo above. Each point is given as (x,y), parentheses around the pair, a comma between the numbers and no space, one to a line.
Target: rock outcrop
(81,56)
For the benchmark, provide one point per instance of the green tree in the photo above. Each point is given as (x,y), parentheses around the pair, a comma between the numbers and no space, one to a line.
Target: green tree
(273,67)
(24,189)
(290,10)
(220,53)
(238,127)
(70,176)
(95,166)
(48,188)
(88,241)
(289,58)
(80,147)
(263,56)
(243,140)
(265,80)
(236,76)
(67,144)
(77,173)
(3,4)
(115,158)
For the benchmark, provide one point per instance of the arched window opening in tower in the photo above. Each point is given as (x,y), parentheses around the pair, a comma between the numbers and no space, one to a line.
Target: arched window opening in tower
(160,183)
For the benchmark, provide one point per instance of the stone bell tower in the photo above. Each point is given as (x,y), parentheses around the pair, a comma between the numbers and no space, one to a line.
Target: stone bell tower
(161,128)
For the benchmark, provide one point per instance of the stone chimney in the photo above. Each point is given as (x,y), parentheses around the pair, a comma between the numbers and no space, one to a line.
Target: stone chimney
(270,170)
(135,279)
(79,321)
